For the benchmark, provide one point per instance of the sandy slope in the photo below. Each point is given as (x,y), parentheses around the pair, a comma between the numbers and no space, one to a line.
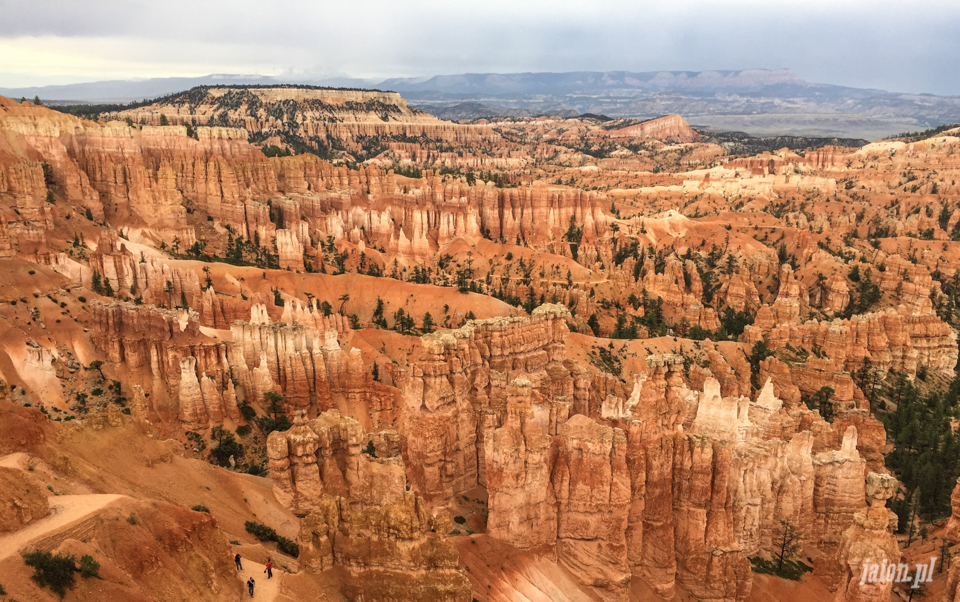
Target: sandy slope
(65,511)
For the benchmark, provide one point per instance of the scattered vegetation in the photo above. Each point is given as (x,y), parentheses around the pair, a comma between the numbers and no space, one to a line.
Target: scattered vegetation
(265,533)
(926,454)
(57,571)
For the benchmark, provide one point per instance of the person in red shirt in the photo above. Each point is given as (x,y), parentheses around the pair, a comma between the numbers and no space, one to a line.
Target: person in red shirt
(269,569)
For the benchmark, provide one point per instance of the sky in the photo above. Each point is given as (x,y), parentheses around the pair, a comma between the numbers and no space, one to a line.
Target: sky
(904,46)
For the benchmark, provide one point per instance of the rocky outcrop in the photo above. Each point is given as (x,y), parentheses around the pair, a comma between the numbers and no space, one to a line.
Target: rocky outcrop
(673,128)
(517,462)
(791,300)
(358,514)
(457,394)
(394,551)
(417,218)
(109,416)
(194,413)
(139,408)
(301,358)
(21,500)
(838,496)
(336,118)
(151,280)
(6,242)
(35,136)
(154,342)
(870,541)
(592,488)
(289,250)
(325,456)
(681,302)
(150,178)
(680,490)
(953,523)
(892,339)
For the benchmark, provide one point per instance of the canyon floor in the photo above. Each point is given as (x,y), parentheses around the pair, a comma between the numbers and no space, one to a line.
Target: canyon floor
(515,359)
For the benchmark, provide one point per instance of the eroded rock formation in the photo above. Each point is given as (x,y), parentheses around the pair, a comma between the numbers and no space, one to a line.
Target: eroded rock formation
(358,514)
(870,541)
(21,501)
(679,486)
(892,339)
(457,394)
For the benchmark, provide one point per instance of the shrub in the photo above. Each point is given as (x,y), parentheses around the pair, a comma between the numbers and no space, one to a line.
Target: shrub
(459,520)
(792,569)
(227,446)
(200,508)
(132,519)
(55,572)
(247,412)
(244,429)
(89,567)
(257,469)
(260,531)
(265,533)
(288,547)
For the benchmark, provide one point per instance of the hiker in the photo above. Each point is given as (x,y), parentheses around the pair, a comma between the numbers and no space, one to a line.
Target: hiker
(250,584)
(269,569)
(236,559)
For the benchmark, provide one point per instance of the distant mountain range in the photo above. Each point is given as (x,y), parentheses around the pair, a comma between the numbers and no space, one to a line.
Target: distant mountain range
(757,101)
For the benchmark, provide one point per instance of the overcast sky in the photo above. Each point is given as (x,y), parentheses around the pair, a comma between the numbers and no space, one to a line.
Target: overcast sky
(907,45)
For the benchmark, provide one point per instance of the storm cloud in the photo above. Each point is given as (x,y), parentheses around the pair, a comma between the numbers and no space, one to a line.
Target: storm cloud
(899,46)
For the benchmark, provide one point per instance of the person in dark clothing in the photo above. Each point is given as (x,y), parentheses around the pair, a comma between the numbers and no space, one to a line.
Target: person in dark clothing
(237,560)
(250,584)
(269,569)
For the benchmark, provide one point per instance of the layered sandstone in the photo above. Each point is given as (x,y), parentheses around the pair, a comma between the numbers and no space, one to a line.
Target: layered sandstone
(457,394)
(335,117)
(388,551)
(681,490)
(870,539)
(592,488)
(517,461)
(892,340)
(325,456)
(664,503)
(301,358)
(358,514)
(673,128)
(155,342)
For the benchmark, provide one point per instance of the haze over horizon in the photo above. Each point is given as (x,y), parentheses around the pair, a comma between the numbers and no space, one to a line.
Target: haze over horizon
(885,45)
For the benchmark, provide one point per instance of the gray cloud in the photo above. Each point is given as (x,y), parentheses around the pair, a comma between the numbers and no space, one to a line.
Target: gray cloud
(903,46)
